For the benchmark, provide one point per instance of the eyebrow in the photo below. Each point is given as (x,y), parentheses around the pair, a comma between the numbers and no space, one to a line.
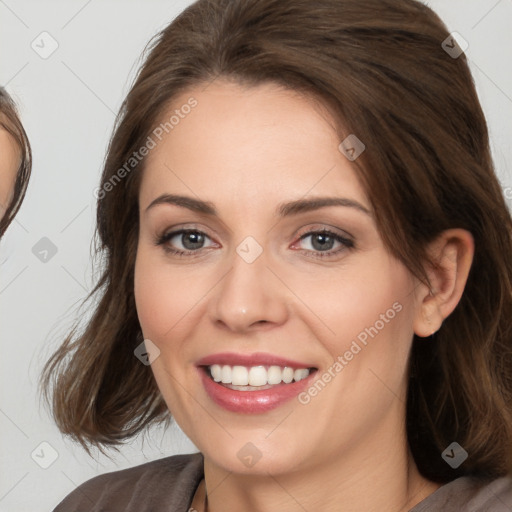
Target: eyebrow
(283,210)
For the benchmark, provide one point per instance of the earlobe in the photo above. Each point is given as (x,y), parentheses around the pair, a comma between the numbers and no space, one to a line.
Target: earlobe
(428,318)
(452,253)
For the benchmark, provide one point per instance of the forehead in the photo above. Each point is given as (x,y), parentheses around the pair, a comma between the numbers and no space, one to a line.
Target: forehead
(238,143)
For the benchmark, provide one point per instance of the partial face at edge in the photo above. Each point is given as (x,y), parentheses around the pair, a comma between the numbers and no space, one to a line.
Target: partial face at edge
(9,164)
(308,297)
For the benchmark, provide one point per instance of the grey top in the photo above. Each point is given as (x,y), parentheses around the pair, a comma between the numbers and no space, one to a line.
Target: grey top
(169,484)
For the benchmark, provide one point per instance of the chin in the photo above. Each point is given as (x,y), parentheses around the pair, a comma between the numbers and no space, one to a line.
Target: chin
(255,455)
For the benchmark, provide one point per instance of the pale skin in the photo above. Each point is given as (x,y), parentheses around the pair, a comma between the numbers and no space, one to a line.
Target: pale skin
(246,151)
(9,163)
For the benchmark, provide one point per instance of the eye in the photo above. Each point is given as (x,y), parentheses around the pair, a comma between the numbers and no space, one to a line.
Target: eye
(190,242)
(322,242)
(184,241)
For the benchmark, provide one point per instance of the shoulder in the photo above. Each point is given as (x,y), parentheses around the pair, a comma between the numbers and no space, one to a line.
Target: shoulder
(470,494)
(163,484)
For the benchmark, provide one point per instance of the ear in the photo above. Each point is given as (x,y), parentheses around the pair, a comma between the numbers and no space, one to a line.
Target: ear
(452,252)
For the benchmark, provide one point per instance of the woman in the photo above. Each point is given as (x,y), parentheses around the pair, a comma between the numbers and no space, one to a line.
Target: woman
(15,161)
(306,263)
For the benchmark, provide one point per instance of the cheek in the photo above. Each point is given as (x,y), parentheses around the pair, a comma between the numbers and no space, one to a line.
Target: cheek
(8,173)
(369,301)
(378,341)
(167,298)
(148,297)
(162,299)
(155,295)
(371,315)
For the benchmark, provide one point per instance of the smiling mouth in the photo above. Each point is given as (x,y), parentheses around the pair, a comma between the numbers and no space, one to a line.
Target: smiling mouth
(255,378)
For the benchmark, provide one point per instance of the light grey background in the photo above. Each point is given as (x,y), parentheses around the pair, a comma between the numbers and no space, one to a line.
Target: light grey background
(68,103)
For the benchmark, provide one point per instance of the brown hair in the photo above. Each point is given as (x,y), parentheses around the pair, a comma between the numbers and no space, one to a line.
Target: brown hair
(10,121)
(380,67)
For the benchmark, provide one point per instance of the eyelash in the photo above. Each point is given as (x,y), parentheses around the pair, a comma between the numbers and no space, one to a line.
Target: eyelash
(346,243)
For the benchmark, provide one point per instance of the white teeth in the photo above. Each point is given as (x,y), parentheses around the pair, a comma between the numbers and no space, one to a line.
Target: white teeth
(256,376)
(287,375)
(300,374)
(240,376)
(226,375)
(274,375)
(216,372)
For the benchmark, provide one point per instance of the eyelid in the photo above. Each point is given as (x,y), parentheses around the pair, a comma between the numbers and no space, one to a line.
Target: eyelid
(187,226)
(170,233)
(345,239)
(315,228)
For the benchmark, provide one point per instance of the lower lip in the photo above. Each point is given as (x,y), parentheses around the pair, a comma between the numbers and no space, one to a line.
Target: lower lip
(252,402)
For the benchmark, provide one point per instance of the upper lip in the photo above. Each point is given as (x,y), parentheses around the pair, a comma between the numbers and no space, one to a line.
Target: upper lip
(256,359)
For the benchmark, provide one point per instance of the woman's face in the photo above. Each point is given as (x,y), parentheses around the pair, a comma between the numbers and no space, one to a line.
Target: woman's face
(261,286)
(9,163)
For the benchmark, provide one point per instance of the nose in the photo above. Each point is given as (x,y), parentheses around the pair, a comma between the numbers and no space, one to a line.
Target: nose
(249,297)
